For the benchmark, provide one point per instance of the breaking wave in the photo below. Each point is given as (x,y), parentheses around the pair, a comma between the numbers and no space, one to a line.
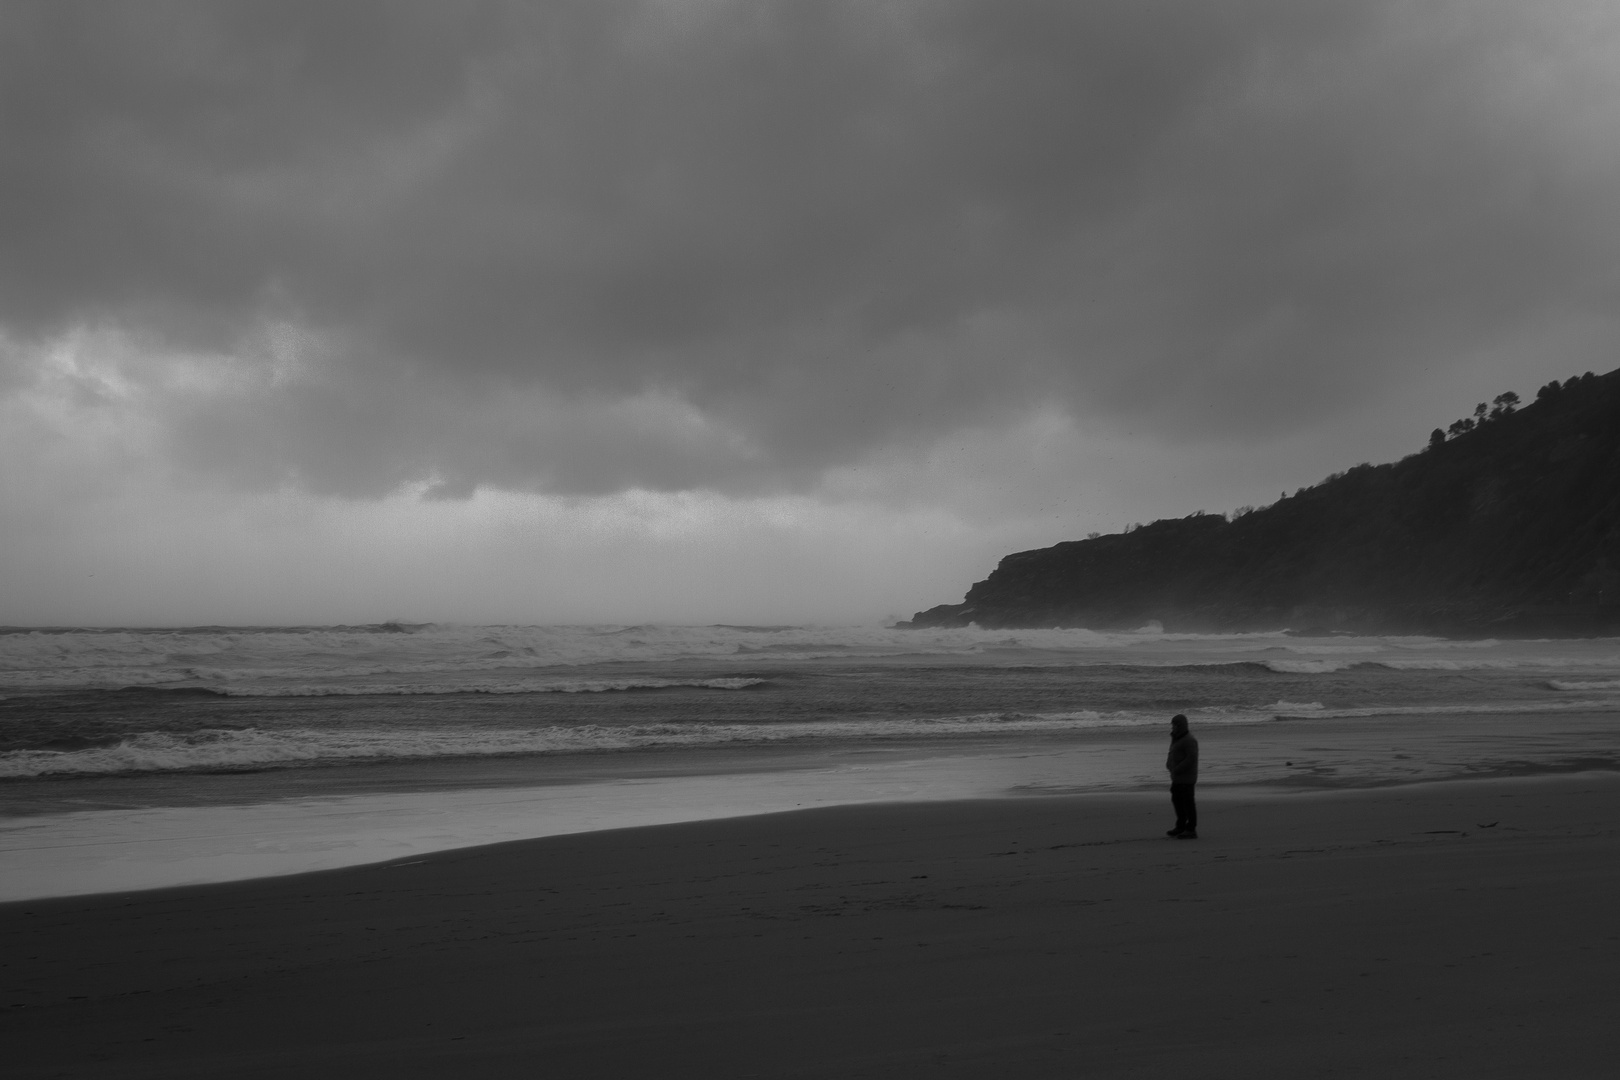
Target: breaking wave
(222,749)
(1583,684)
(519,686)
(1477,708)
(230,748)
(510,659)
(1427,663)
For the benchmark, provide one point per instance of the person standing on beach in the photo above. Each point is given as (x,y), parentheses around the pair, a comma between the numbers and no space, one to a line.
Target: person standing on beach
(1182,763)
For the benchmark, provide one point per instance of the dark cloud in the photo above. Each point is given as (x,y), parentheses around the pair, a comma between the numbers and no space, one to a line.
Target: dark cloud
(582,247)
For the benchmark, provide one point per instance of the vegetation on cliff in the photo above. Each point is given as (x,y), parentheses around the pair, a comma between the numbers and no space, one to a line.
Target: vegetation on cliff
(1507,523)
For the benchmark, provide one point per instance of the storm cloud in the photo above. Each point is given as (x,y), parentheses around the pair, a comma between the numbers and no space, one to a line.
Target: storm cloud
(606,246)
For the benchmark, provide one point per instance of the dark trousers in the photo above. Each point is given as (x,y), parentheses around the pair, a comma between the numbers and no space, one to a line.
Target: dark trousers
(1181,797)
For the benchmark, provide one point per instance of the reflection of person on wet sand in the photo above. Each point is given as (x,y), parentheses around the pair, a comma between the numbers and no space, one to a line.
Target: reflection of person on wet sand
(1183,765)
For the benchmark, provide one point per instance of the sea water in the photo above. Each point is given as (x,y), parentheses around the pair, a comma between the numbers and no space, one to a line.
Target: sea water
(146,757)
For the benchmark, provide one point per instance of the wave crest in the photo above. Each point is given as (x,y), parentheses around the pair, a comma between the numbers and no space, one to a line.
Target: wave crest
(245,748)
(520,686)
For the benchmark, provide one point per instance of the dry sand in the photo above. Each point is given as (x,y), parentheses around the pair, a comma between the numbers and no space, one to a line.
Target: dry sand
(1364,933)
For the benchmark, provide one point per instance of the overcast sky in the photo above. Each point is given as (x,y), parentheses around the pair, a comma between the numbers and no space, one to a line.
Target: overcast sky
(691,310)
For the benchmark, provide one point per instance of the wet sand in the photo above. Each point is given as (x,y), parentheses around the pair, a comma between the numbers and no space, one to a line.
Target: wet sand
(1354,933)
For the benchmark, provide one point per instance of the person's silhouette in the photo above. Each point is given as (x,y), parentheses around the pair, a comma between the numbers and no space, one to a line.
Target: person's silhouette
(1182,763)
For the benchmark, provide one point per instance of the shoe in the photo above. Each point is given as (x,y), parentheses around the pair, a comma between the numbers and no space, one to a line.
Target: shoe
(1175,832)
(1188,834)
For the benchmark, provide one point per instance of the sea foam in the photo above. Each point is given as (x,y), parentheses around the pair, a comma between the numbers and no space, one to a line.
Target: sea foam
(252,748)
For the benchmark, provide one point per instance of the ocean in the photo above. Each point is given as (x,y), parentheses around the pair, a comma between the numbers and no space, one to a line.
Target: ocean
(145,757)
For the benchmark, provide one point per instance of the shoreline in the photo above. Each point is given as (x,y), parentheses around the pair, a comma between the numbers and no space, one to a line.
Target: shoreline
(235,827)
(1325,933)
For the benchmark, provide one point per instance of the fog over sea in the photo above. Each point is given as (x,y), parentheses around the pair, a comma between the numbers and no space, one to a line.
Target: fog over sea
(143,757)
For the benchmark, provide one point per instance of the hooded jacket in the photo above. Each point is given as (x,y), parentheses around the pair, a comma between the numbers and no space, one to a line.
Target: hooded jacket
(1183,759)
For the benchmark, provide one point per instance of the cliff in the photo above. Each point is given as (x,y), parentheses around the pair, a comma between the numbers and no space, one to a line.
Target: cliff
(1509,526)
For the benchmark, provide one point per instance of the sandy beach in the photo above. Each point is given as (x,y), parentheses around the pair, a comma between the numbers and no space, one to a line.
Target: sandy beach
(1452,929)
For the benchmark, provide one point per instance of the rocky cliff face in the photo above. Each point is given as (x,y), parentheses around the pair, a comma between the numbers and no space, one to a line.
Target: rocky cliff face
(1510,526)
